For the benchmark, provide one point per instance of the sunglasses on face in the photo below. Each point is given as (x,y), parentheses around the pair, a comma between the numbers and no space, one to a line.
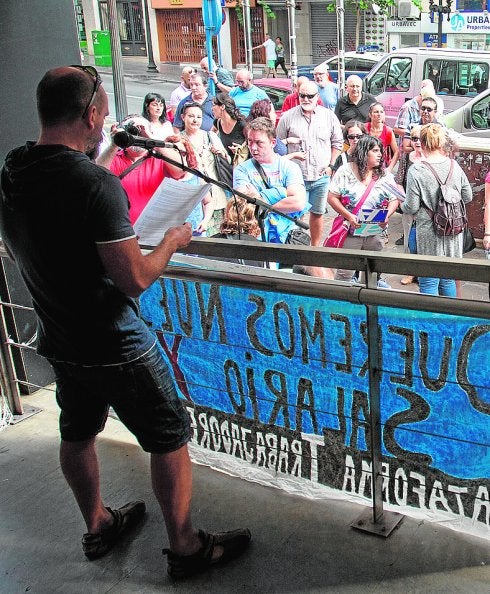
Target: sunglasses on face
(425,108)
(354,136)
(415,139)
(91,71)
(307,95)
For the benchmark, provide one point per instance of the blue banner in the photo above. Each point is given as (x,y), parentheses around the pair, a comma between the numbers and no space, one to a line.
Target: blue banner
(281,382)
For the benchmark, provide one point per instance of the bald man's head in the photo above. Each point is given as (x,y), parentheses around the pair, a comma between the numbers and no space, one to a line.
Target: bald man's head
(65,93)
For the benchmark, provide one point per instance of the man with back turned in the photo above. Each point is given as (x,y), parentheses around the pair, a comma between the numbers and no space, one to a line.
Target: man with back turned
(64,220)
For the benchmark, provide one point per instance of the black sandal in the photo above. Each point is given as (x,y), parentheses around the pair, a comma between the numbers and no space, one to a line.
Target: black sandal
(234,543)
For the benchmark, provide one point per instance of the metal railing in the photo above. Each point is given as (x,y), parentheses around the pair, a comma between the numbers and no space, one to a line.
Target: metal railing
(188,267)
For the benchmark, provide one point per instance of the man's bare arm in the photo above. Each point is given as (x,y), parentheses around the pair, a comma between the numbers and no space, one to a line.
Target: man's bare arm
(132,271)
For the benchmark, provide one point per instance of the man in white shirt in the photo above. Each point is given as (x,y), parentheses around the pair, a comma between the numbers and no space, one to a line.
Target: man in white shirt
(270,55)
(316,131)
(182,90)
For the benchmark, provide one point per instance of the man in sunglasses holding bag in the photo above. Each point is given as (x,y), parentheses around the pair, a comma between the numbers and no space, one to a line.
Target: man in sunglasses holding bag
(314,131)
(64,220)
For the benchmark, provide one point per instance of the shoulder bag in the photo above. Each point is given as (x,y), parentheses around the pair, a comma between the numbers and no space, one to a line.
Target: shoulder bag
(340,226)
(224,170)
(296,236)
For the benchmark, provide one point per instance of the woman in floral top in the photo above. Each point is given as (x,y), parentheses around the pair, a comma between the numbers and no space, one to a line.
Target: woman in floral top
(348,186)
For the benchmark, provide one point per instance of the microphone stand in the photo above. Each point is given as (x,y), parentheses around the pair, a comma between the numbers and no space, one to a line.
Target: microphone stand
(259,204)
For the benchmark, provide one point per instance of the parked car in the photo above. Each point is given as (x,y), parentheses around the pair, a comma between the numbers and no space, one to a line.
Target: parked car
(276,89)
(457,74)
(359,63)
(473,118)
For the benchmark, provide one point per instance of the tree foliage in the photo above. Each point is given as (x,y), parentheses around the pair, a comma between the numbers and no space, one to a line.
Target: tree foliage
(384,5)
(239,9)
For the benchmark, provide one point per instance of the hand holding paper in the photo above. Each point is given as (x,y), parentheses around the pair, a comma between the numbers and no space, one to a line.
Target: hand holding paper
(169,207)
(370,221)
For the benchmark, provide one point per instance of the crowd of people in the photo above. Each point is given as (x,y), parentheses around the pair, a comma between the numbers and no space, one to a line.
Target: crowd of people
(324,150)
(322,141)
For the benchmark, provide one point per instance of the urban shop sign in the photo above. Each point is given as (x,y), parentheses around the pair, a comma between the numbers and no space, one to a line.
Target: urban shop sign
(469,22)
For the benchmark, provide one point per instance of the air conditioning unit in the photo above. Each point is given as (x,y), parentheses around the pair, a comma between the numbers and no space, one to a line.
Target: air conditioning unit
(407,10)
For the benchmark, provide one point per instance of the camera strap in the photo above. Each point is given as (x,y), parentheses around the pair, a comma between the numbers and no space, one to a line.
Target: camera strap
(132,166)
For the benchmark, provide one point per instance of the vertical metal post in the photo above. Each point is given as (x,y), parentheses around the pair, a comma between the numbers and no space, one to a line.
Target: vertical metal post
(376,520)
(439,25)
(293,61)
(7,368)
(247,35)
(152,67)
(340,10)
(117,67)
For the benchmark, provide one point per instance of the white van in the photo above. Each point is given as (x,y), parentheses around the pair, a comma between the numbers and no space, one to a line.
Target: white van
(458,75)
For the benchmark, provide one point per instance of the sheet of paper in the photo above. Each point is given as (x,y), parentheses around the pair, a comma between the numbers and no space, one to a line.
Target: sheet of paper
(370,219)
(169,206)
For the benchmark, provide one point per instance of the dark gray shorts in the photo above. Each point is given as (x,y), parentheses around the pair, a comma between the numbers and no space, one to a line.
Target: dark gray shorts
(141,392)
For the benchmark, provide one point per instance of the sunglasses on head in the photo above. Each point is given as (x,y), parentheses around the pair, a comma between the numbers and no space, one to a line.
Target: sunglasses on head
(307,95)
(354,136)
(90,70)
(415,138)
(426,108)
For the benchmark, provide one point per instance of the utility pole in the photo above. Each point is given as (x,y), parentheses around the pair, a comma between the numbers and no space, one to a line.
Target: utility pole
(152,67)
(293,61)
(117,67)
(440,10)
(247,35)
(340,11)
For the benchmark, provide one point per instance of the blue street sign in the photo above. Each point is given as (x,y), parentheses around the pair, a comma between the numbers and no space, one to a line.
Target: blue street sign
(212,16)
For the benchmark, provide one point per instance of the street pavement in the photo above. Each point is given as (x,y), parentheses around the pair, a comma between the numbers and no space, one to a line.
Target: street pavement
(136,69)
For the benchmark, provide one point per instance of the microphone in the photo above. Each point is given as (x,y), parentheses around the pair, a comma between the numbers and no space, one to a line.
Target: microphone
(124,139)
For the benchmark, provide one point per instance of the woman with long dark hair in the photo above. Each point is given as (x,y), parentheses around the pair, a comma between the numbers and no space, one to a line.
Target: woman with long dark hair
(155,111)
(229,123)
(376,127)
(363,178)
(353,131)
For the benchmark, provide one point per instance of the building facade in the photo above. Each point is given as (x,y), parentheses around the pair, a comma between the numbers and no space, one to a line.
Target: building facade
(178,33)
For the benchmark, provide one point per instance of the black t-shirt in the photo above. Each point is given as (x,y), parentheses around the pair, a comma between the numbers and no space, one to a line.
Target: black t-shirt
(235,136)
(56,206)
(345,110)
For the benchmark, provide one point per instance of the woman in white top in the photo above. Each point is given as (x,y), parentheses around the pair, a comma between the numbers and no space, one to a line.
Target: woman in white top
(349,185)
(155,111)
(206,145)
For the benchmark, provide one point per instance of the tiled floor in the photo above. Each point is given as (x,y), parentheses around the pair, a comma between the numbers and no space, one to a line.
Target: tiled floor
(298,545)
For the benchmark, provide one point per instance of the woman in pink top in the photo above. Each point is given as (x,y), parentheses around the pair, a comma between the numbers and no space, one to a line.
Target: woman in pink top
(376,127)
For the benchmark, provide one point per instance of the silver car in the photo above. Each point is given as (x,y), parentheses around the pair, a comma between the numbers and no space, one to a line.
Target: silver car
(473,118)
